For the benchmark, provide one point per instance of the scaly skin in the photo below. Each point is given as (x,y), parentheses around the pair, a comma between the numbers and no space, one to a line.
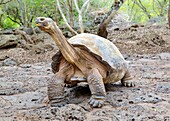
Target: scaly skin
(57,83)
(97,88)
(56,90)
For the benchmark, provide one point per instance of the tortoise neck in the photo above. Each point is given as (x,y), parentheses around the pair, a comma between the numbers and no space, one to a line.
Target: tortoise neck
(67,50)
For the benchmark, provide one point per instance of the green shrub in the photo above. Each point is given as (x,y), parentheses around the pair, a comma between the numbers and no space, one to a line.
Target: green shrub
(7,23)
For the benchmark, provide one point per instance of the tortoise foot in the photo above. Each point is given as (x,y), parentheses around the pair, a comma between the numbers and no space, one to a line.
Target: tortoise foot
(96,101)
(128,83)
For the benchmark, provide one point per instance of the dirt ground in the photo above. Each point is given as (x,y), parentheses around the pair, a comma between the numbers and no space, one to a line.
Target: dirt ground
(24,75)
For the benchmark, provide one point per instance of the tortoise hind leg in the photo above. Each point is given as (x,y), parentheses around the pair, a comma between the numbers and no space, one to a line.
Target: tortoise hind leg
(127,80)
(97,88)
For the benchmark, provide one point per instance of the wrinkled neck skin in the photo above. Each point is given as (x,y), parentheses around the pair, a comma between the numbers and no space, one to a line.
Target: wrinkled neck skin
(64,46)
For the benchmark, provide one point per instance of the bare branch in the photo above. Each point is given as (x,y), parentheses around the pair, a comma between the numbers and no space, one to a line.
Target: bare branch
(80,17)
(71,15)
(153,6)
(65,20)
(115,7)
(14,20)
(80,14)
(169,14)
(78,9)
(139,3)
(84,5)
(162,6)
(5,2)
(130,10)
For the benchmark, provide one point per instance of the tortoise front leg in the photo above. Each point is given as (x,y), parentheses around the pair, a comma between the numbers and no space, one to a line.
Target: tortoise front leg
(57,82)
(97,88)
(56,90)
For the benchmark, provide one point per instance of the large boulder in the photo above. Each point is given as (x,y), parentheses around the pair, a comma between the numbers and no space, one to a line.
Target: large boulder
(8,41)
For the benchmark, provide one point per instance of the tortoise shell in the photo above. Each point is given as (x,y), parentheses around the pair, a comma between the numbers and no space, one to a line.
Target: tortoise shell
(104,50)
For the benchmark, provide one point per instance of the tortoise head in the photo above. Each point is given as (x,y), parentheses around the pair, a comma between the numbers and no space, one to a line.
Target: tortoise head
(45,24)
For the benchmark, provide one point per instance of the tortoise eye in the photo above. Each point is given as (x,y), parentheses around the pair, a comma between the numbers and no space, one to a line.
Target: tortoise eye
(42,19)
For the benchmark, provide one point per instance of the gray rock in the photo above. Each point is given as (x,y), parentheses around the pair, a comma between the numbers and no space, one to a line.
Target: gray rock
(163,87)
(9,62)
(30,31)
(9,31)
(70,112)
(8,41)
(27,100)
(164,56)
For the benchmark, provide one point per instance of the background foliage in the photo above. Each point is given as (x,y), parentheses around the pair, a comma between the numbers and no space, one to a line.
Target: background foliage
(15,13)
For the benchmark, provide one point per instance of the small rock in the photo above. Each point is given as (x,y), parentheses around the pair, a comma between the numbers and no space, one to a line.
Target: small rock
(164,56)
(29,31)
(3,58)
(9,62)
(25,65)
(163,87)
(67,34)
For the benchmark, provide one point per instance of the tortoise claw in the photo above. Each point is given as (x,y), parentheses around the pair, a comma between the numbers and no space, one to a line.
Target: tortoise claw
(97,101)
(128,83)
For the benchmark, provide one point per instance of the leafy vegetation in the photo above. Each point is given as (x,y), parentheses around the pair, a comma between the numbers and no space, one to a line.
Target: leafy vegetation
(138,11)
(7,23)
(15,13)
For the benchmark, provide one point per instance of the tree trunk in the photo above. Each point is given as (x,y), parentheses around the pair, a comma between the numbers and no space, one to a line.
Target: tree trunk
(102,28)
(169,14)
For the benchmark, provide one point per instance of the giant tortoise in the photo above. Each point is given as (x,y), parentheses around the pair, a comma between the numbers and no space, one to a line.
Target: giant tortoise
(83,58)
